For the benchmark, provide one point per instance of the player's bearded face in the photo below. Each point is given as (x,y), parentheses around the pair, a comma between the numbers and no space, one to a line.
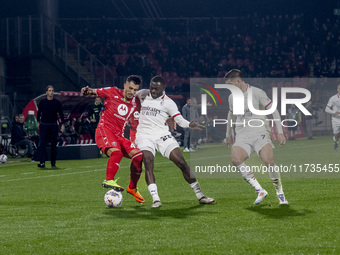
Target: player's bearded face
(156,90)
(130,90)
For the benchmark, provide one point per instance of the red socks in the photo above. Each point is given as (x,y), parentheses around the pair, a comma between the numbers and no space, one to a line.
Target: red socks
(136,169)
(113,164)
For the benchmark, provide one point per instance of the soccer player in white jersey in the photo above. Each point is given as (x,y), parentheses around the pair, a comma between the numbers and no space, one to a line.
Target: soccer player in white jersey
(153,134)
(333,107)
(250,138)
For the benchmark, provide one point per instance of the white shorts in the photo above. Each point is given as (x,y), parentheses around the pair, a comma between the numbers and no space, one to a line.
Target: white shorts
(336,125)
(251,142)
(163,143)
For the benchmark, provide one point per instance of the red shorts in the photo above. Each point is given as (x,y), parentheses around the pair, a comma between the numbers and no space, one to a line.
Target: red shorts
(105,139)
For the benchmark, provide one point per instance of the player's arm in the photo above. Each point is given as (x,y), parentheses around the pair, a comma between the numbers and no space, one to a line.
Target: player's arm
(266,103)
(186,124)
(329,107)
(141,94)
(61,115)
(277,121)
(39,114)
(87,91)
(174,113)
(231,118)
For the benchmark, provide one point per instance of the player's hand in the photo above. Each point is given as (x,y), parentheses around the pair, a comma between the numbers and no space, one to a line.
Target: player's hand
(229,142)
(282,140)
(86,91)
(93,120)
(171,123)
(337,113)
(194,125)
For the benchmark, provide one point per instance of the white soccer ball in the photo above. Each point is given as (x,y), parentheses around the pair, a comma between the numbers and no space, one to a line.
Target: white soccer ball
(3,158)
(113,198)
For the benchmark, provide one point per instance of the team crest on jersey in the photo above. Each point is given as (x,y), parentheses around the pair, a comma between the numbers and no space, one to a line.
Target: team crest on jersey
(136,115)
(122,109)
(114,144)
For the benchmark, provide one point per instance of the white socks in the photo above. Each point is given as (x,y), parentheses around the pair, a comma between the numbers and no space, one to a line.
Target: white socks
(274,175)
(248,175)
(195,186)
(153,191)
(197,189)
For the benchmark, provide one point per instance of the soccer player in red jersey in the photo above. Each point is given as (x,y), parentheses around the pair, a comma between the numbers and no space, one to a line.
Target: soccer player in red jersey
(120,105)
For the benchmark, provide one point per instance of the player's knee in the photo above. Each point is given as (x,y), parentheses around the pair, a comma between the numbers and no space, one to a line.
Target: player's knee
(236,160)
(181,163)
(269,162)
(137,160)
(116,153)
(148,160)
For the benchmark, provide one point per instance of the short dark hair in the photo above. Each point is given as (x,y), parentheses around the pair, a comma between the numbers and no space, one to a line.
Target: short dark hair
(49,86)
(136,79)
(158,79)
(233,73)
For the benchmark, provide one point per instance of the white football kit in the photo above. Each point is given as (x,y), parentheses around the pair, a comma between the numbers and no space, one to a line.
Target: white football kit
(334,105)
(152,131)
(251,134)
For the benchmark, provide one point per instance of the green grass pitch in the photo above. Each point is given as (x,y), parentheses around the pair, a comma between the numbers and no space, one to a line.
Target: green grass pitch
(62,211)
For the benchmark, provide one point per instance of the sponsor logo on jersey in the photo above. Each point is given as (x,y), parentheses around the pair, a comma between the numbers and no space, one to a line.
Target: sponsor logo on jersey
(150,111)
(122,109)
(136,115)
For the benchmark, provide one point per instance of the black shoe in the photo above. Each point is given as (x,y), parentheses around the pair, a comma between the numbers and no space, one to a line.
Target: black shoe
(42,165)
(54,166)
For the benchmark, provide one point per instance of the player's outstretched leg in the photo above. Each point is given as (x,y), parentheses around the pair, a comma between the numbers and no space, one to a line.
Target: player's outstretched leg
(136,170)
(111,170)
(148,160)
(176,156)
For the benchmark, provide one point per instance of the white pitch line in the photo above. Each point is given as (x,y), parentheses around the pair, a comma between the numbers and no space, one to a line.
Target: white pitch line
(103,169)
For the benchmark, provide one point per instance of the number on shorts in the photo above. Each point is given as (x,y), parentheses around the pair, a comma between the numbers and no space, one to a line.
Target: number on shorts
(263,136)
(164,138)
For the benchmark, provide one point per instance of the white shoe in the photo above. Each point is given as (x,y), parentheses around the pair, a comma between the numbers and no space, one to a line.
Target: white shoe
(206,200)
(191,150)
(156,204)
(282,199)
(261,194)
(186,150)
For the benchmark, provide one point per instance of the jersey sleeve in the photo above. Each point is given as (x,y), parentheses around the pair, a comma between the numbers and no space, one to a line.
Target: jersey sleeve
(141,94)
(230,101)
(330,103)
(134,121)
(264,99)
(172,109)
(106,92)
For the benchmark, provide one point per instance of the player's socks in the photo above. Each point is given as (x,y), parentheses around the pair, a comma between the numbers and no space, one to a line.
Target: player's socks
(136,169)
(197,189)
(274,175)
(113,164)
(153,191)
(248,175)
